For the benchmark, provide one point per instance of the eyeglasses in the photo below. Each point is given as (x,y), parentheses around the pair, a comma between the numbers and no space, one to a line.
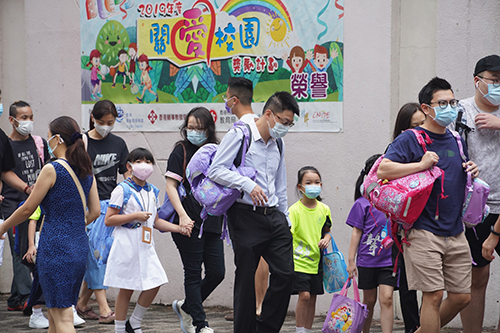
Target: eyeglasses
(444,104)
(496,82)
(284,121)
(198,129)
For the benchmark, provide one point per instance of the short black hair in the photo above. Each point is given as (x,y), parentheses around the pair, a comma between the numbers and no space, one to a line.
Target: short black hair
(140,154)
(16,105)
(122,51)
(102,108)
(281,101)
(427,92)
(241,88)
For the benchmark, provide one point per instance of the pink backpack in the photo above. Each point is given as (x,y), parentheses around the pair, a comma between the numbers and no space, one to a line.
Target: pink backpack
(403,199)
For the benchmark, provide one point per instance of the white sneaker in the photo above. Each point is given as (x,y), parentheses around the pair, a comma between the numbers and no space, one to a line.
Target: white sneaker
(206,329)
(77,321)
(38,321)
(186,319)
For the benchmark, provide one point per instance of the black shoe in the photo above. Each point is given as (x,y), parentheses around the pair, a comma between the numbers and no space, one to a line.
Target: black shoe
(27,310)
(129,328)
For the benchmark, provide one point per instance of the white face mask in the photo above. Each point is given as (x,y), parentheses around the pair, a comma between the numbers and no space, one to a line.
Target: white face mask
(103,130)
(24,127)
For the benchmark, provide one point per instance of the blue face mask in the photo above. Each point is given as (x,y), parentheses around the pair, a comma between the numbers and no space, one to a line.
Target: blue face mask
(49,148)
(279,130)
(312,191)
(1,109)
(197,138)
(444,117)
(493,95)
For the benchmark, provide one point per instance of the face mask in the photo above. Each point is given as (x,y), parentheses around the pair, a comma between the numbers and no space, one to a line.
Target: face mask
(142,170)
(24,127)
(103,130)
(50,149)
(493,95)
(444,117)
(1,109)
(197,138)
(312,191)
(228,109)
(279,130)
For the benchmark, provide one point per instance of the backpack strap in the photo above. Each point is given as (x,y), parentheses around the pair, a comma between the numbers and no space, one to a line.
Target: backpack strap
(77,184)
(245,144)
(460,146)
(39,147)
(279,142)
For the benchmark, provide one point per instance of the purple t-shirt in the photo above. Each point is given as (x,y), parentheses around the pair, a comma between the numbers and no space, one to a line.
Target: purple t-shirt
(374,231)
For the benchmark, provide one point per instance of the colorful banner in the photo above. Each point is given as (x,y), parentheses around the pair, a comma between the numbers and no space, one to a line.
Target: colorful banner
(157,60)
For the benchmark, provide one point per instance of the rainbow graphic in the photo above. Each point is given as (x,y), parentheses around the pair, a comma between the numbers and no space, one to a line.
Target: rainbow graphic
(272,8)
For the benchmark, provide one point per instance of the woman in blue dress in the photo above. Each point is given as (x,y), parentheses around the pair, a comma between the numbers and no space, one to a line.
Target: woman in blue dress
(62,251)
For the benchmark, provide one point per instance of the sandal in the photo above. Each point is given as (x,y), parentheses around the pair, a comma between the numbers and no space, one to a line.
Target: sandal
(86,313)
(109,319)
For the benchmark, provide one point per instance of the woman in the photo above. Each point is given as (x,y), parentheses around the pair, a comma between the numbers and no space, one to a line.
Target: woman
(409,116)
(108,154)
(207,250)
(61,257)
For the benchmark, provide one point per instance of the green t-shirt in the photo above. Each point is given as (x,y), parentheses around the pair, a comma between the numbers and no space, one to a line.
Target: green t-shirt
(307,225)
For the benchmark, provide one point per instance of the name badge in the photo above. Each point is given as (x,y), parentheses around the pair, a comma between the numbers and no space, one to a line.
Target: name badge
(146,235)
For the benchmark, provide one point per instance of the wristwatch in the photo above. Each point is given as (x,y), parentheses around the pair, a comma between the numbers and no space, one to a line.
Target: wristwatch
(494,232)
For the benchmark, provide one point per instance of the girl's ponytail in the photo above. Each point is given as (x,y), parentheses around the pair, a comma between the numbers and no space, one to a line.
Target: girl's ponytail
(368,165)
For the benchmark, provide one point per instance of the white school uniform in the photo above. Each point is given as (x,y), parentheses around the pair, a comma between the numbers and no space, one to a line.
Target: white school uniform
(132,263)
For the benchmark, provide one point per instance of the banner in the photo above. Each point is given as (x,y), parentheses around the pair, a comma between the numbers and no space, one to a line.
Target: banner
(157,60)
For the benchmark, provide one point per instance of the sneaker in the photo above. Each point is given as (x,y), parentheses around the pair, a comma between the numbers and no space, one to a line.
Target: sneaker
(206,329)
(93,97)
(99,95)
(38,321)
(77,321)
(15,308)
(186,320)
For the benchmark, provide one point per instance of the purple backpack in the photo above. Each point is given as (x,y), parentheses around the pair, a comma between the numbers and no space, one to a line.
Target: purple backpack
(474,209)
(215,198)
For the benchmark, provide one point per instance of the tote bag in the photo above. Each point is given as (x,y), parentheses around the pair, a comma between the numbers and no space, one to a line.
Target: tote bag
(334,269)
(346,314)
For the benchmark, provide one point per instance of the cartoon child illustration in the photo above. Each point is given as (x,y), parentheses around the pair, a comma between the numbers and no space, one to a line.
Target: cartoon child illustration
(122,68)
(132,53)
(95,61)
(321,61)
(297,60)
(145,79)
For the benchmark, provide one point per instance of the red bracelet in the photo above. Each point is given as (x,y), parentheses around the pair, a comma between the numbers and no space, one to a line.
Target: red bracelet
(26,188)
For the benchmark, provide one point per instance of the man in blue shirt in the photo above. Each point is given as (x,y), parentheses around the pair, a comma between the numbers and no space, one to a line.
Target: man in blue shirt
(257,222)
(437,257)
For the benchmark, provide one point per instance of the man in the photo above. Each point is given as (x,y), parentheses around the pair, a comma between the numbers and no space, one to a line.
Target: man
(257,222)
(437,257)
(29,162)
(482,113)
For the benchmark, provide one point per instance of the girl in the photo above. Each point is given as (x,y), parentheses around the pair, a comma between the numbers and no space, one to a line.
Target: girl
(145,79)
(207,250)
(374,262)
(94,62)
(133,263)
(108,154)
(409,116)
(61,255)
(297,60)
(311,222)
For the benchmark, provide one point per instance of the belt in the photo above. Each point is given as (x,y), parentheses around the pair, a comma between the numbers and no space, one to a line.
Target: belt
(256,209)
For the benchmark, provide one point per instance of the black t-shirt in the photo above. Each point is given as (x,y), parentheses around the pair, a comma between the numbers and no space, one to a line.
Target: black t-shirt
(6,154)
(191,206)
(108,156)
(28,167)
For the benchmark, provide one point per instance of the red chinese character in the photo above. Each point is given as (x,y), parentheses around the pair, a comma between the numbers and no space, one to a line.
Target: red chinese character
(236,63)
(170,9)
(178,7)
(248,65)
(272,64)
(260,63)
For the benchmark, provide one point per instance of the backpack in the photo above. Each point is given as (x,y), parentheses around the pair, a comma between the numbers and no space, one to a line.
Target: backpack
(39,147)
(403,199)
(474,209)
(216,199)
(167,211)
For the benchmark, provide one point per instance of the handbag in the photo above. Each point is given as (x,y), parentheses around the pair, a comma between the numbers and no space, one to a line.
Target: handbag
(474,209)
(346,314)
(403,199)
(334,269)
(167,211)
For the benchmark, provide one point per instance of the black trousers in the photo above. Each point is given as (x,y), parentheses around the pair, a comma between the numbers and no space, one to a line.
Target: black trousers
(255,234)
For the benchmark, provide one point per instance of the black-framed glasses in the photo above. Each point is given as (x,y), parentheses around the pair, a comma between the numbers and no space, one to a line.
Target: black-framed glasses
(444,104)
(284,121)
(198,129)
(496,82)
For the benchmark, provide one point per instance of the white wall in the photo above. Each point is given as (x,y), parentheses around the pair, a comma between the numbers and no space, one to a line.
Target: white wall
(392,48)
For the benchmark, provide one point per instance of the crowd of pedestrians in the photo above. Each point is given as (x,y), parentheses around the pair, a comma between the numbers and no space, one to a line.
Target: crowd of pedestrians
(71,182)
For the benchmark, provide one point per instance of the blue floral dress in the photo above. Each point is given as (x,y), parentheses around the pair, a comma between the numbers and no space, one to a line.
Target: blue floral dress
(63,247)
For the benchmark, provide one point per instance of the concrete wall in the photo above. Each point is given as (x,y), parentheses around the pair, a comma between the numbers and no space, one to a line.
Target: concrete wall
(392,48)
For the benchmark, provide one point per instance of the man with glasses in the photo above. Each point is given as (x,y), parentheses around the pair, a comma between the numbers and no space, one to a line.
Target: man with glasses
(437,257)
(257,222)
(482,112)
